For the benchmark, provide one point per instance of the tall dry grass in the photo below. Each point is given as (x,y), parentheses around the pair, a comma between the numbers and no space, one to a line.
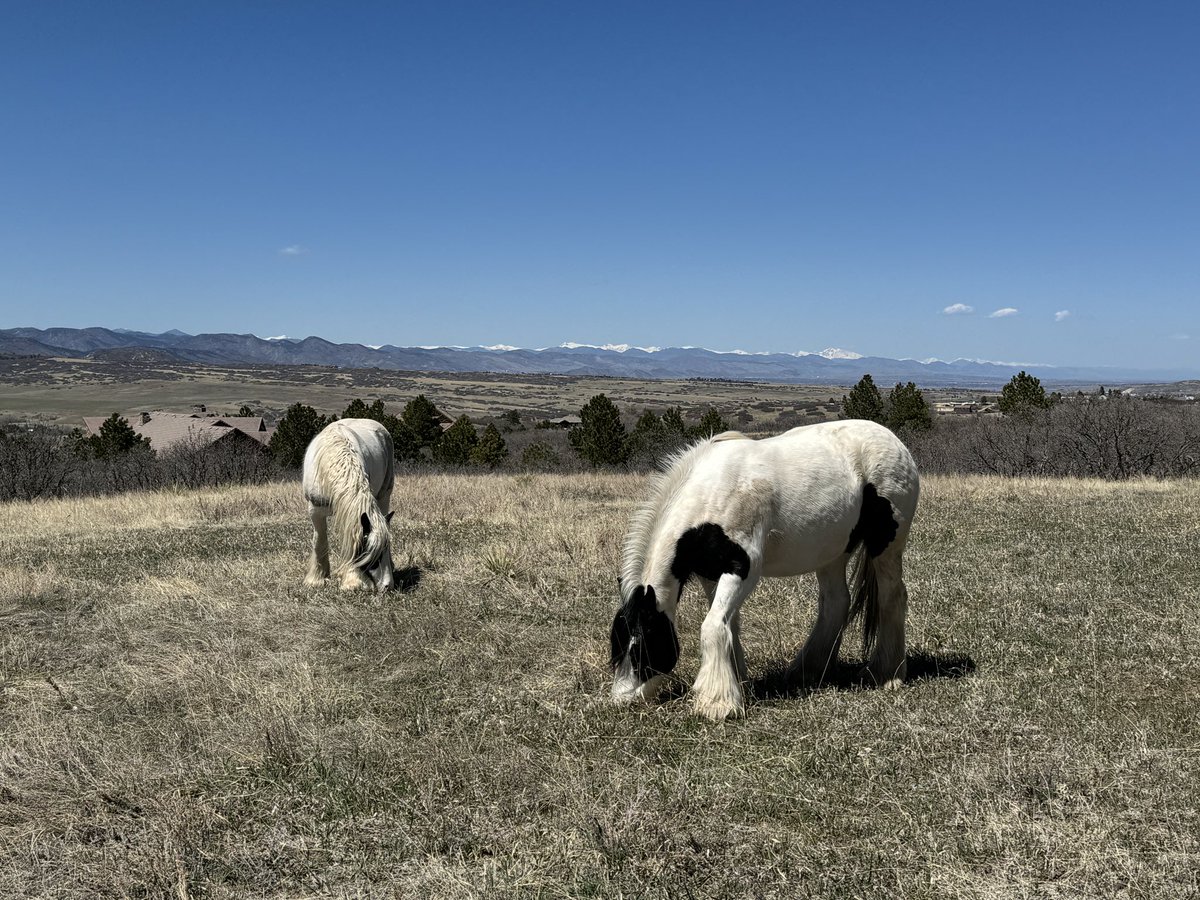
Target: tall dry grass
(179,717)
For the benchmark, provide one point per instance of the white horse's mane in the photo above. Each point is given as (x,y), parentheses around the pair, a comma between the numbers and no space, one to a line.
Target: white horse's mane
(339,466)
(664,485)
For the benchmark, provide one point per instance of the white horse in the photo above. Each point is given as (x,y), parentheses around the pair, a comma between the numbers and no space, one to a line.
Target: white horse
(349,471)
(731,510)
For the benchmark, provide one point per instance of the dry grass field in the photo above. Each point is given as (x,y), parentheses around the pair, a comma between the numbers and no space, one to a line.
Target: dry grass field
(180,718)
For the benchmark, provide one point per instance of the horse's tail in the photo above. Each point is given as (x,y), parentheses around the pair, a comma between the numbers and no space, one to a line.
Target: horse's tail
(865,593)
(341,467)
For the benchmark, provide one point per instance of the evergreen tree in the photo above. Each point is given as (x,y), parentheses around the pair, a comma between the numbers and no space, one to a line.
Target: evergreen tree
(116,437)
(423,420)
(1023,393)
(674,428)
(404,442)
(356,410)
(864,402)
(710,423)
(457,443)
(646,443)
(491,449)
(299,425)
(907,408)
(245,411)
(600,438)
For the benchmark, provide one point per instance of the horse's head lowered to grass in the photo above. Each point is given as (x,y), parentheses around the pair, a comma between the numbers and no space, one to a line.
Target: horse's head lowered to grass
(372,564)
(644,647)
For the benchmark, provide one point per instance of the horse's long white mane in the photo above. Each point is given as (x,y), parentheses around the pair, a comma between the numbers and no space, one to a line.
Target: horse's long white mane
(664,485)
(339,468)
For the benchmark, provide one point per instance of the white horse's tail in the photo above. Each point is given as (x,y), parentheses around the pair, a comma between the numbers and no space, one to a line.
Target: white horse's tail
(864,589)
(341,466)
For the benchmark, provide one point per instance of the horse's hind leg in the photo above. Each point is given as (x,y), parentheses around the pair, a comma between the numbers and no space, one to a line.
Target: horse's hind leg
(717,692)
(887,666)
(819,654)
(318,559)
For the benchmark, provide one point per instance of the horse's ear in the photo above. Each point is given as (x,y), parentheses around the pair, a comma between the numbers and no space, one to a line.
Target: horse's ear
(388,517)
(366,524)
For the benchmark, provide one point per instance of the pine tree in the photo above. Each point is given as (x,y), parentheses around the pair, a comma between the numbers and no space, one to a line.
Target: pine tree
(404,442)
(864,402)
(674,427)
(907,408)
(245,411)
(457,443)
(116,437)
(600,438)
(710,423)
(356,410)
(299,425)
(423,420)
(491,449)
(1023,394)
(645,445)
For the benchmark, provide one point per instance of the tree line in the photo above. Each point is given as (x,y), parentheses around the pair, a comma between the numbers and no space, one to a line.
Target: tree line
(1103,434)
(417,434)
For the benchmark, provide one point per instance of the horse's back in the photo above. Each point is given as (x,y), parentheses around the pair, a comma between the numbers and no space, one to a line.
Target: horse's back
(370,442)
(805,488)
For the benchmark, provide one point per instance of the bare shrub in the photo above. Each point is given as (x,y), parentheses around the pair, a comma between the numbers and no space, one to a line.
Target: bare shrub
(1113,438)
(35,462)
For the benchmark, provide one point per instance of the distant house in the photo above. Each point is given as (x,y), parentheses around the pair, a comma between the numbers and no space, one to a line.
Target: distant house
(166,429)
(950,408)
(564,422)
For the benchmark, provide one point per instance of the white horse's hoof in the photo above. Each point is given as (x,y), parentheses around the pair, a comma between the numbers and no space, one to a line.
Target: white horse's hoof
(353,581)
(719,709)
(314,581)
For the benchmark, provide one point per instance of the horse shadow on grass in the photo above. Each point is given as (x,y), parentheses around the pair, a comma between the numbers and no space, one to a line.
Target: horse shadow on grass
(406,580)
(846,675)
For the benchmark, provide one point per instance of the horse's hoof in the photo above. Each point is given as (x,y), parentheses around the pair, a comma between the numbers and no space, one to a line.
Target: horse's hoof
(719,710)
(313,581)
(867,677)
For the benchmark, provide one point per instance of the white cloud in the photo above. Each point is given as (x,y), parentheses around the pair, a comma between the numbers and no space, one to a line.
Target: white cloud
(1061,314)
(292,250)
(1003,313)
(1181,337)
(958,309)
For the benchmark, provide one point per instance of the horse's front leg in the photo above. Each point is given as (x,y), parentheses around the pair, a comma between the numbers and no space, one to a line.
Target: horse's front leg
(735,629)
(318,558)
(717,692)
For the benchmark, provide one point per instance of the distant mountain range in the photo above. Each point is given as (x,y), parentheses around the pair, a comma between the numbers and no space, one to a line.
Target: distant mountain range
(831,366)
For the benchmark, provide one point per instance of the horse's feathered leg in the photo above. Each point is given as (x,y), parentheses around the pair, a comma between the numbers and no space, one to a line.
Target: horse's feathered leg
(819,653)
(717,692)
(318,559)
(735,628)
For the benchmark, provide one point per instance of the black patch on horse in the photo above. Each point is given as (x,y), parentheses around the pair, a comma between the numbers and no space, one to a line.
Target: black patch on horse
(709,552)
(876,526)
(646,634)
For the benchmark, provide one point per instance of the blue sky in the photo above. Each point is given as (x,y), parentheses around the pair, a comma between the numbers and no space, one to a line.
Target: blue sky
(762,176)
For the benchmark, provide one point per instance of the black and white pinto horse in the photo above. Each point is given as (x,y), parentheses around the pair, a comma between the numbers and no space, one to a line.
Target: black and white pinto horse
(349,472)
(731,510)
